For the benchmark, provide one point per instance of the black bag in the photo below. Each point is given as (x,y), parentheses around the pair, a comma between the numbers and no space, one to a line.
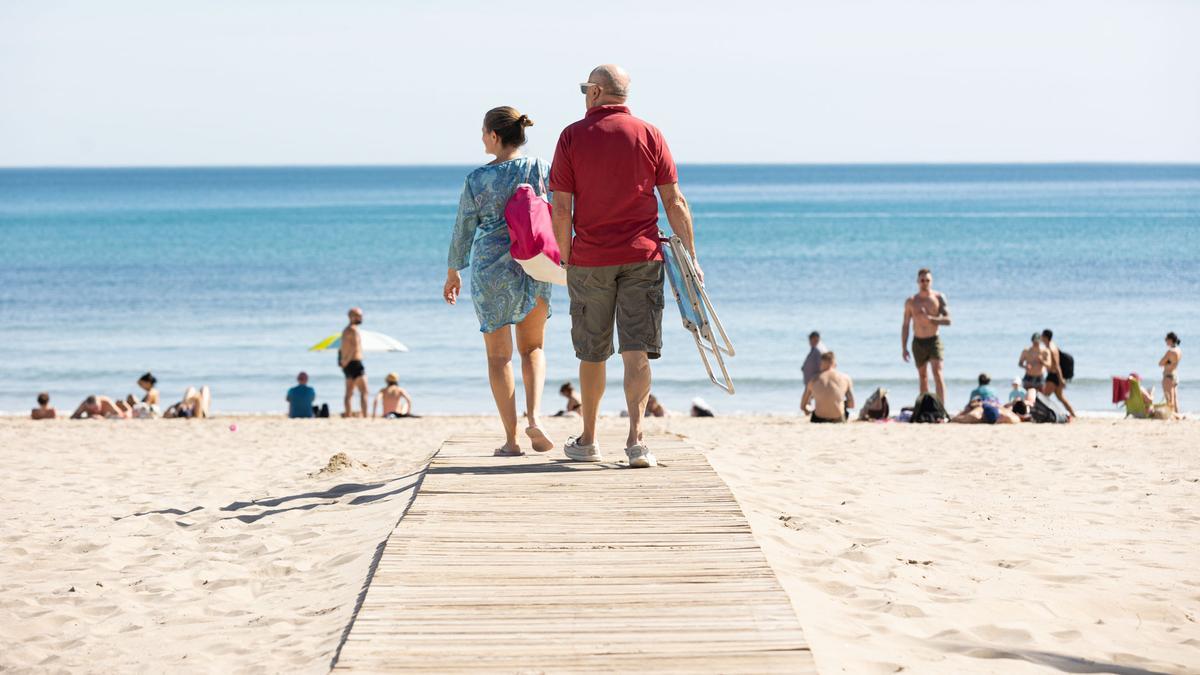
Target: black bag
(1067,363)
(928,410)
(1046,412)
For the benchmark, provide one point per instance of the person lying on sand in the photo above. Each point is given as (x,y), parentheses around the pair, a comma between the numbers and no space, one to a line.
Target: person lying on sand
(98,408)
(979,411)
(194,404)
(396,401)
(44,411)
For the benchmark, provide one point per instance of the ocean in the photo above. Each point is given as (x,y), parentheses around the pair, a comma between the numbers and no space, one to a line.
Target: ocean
(225,276)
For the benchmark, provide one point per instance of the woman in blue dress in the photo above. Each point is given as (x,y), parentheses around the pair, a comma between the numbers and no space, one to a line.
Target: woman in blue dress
(501,291)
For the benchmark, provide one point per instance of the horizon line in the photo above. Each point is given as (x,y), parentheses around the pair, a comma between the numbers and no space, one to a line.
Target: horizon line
(380,165)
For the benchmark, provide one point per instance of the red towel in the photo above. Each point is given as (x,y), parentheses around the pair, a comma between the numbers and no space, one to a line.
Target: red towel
(1120,389)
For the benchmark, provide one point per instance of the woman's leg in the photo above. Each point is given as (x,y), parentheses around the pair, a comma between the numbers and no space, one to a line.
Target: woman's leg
(531,333)
(1060,390)
(500,375)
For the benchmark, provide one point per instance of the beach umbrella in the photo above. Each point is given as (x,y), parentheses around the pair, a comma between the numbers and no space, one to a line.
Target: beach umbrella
(371,342)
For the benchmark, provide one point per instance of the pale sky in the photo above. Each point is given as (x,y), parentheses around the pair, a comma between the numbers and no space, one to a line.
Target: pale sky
(119,82)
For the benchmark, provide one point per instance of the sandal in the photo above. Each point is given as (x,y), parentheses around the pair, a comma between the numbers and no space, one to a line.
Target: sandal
(541,442)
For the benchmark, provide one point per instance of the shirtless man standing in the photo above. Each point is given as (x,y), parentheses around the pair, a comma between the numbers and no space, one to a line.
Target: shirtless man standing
(832,393)
(1169,362)
(1055,382)
(928,311)
(350,356)
(1035,359)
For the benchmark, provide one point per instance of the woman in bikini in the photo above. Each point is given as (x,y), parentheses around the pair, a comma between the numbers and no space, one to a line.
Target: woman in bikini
(1169,362)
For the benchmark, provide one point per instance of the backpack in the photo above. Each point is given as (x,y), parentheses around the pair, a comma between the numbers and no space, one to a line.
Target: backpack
(876,407)
(1044,411)
(1067,362)
(531,233)
(928,410)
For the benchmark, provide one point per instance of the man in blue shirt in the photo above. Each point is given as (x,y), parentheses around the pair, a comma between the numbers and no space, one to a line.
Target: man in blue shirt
(300,398)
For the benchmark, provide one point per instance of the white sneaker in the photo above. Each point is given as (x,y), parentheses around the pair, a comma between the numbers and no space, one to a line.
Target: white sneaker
(581,453)
(640,457)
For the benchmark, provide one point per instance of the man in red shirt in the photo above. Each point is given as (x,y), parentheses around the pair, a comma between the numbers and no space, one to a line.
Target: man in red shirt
(605,170)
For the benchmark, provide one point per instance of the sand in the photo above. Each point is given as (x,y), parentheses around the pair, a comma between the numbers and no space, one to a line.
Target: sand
(185,546)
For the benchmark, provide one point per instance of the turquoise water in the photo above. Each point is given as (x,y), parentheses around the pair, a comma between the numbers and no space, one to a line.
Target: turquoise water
(225,277)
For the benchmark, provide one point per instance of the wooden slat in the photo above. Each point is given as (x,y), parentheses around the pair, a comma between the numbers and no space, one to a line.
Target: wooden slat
(536,564)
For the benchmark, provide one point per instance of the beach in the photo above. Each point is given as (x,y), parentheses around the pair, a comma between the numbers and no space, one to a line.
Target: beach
(235,544)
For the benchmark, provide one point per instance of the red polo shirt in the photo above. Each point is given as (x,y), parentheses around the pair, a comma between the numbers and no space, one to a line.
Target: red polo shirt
(611,161)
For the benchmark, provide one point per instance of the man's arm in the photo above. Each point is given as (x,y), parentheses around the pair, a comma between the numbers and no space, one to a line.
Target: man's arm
(563,218)
(679,215)
(375,403)
(943,317)
(806,398)
(850,393)
(904,328)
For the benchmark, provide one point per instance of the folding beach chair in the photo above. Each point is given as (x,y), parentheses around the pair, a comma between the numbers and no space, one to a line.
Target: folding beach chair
(697,311)
(1135,405)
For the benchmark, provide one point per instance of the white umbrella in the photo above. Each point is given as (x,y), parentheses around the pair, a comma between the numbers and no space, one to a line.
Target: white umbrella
(371,342)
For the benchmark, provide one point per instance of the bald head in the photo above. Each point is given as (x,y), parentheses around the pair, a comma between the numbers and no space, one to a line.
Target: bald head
(612,79)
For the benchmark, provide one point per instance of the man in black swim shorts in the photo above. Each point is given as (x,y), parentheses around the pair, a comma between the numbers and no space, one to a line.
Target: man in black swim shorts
(350,354)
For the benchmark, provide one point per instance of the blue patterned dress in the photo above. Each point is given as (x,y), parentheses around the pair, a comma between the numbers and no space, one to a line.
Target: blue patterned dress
(503,294)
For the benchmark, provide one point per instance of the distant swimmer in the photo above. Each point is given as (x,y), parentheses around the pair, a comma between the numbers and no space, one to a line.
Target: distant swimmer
(394,400)
(98,408)
(350,359)
(44,411)
(832,393)
(1035,360)
(1169,363)
(1056,378)
(927,311)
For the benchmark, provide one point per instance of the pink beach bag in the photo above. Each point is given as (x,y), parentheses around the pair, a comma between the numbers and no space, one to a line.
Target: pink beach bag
(531,230)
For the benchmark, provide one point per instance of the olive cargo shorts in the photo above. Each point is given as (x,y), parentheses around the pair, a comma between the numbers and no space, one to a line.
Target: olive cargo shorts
(632,294)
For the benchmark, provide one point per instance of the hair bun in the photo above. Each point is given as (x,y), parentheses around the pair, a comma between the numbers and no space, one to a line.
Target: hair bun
(524,121)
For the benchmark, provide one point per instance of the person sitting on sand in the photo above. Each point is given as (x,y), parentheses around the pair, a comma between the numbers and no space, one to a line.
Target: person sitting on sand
(573,402)
(1169,362)
(983,411)
(97,408)
(300,398)
(396,402)
(148,405)
(44,411)
(654,408)
(984,391)
(832,393)
(1017,393)
(194,404)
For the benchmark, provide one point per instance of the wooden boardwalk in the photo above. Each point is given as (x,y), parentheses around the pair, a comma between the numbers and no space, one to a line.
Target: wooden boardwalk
(536,564)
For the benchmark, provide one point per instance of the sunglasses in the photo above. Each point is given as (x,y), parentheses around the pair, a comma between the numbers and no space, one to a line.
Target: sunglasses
(584,86)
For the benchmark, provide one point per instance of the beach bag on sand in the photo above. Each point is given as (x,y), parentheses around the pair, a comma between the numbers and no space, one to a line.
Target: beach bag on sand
(1068,365)
(1046,412)
(928,410)
(531,231)
(876,407)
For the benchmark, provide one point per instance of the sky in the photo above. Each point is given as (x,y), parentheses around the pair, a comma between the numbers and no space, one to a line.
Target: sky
(149,83)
